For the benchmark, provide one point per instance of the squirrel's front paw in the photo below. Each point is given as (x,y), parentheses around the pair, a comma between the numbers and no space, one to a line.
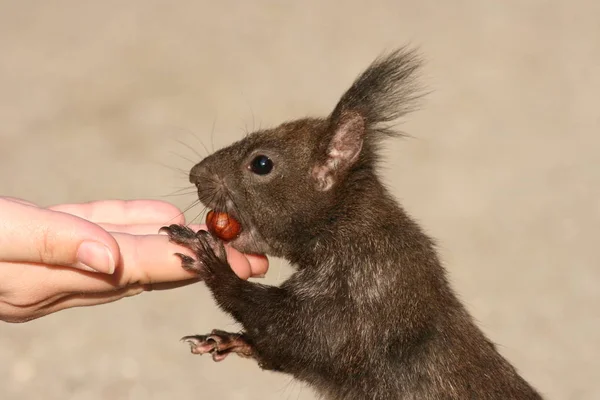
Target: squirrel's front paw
(211,257)
(220,344)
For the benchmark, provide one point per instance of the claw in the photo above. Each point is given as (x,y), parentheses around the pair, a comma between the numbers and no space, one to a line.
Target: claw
(217,357)
(219,344)
(200,344)
(188,262)
(210,255)
(212,243)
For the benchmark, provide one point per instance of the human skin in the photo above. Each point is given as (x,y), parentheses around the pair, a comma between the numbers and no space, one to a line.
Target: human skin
(74,255)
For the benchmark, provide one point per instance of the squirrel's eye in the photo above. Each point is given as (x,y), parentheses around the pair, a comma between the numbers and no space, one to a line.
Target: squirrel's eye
(261,165)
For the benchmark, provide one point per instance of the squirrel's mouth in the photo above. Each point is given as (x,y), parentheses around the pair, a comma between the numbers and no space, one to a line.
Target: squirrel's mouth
(224,219)
(223,225)
(236,232)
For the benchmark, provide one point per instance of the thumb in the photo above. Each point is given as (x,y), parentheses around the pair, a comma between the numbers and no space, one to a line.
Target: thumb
(36,235)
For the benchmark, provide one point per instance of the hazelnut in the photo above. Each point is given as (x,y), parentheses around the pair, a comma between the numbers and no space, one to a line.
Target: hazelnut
(222,225)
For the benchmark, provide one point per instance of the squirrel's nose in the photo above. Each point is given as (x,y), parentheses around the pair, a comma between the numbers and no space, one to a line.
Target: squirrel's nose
(197,173)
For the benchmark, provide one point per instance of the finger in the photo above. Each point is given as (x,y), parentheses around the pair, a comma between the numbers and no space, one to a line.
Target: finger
(125,212)
(151,259)
(36,235)
(17,200)
(259,264)
(77,300)
(247,265)
(93,299)
(146,260)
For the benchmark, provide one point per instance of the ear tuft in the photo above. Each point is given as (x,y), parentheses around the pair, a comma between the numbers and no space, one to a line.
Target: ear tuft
(343,149)
(384,92)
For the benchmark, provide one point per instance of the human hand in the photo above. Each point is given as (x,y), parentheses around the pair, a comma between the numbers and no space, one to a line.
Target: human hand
(75,255)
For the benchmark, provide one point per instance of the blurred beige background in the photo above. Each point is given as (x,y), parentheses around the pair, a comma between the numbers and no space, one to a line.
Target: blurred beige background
(96,99)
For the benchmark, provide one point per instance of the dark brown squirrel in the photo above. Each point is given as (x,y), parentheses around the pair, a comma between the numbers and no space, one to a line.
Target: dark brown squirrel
(369,313)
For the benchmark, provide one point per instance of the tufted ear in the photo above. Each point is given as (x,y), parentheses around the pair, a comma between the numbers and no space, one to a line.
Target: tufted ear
(384,92)
(345,143)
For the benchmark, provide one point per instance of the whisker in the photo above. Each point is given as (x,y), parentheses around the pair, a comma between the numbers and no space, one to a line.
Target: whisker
(181,189)
(175,169)
(212,197)
(212,134)
(245,127)
(194,135)
(201,143)
(184,211)
(189,147)
(179,194)
(198,217)
(251,110)
(188,208)
(183,157)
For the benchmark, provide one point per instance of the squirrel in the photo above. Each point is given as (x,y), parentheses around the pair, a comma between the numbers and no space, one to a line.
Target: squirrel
(369,312)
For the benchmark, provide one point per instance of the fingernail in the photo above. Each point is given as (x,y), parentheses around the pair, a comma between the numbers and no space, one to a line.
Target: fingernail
(96,257)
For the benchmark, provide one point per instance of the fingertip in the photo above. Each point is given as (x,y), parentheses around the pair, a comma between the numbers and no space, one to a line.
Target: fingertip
(54,238)
(239,263)
(98,250)
(125,211)
(95,256)
(259,264)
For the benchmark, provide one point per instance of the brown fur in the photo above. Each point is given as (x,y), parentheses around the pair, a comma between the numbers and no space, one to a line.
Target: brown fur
(369,313)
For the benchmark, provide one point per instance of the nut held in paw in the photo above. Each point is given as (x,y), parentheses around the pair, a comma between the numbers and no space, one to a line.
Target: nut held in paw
(223,225)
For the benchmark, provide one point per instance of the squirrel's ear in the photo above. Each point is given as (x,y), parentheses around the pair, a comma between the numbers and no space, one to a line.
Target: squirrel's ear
(345,140)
